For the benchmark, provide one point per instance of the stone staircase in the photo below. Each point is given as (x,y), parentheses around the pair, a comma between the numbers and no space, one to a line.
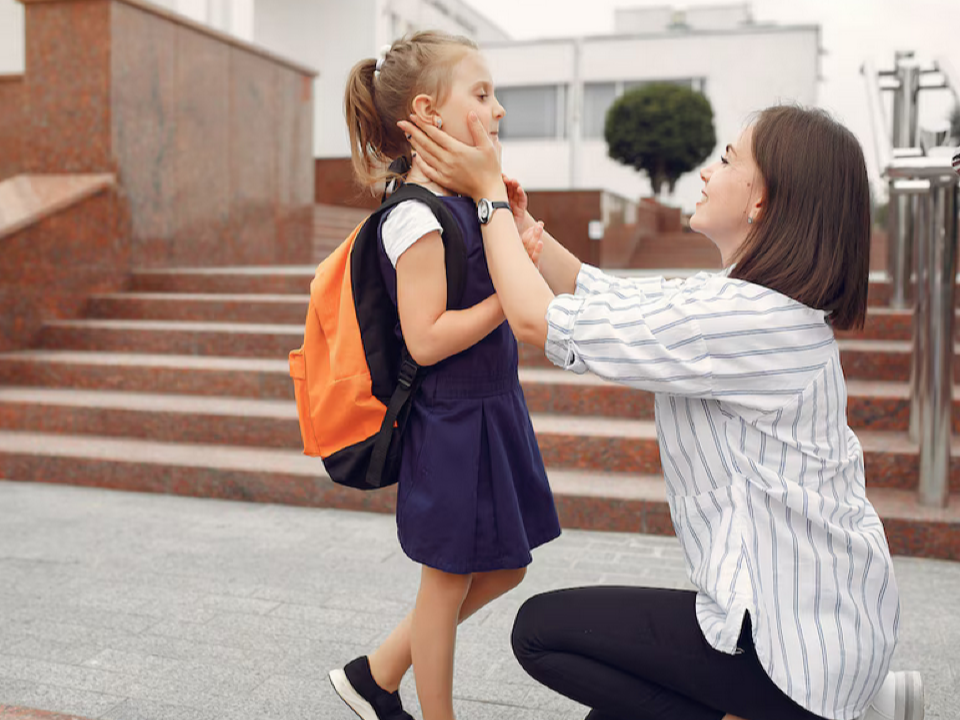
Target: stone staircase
(180,385)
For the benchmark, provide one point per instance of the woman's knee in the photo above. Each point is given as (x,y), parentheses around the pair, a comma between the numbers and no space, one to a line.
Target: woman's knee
(527,638)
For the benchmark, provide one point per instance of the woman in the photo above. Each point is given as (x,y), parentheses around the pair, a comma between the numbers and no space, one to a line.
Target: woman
(796,612)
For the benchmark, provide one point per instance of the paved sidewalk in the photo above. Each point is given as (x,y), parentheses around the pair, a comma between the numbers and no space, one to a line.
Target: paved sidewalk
(127,606)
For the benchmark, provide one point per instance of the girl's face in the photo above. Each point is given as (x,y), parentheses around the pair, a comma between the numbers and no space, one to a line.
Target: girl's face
(732,193)
(471,89)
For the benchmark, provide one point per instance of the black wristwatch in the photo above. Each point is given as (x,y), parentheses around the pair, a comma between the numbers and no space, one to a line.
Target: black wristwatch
(486,208)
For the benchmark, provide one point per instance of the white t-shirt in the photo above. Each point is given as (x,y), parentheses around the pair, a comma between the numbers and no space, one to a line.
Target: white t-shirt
(405,224)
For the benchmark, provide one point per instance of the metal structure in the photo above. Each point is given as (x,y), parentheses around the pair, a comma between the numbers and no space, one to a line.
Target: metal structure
(923,234)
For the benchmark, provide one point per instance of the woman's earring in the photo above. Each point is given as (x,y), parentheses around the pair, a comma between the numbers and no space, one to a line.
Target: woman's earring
(439,123)
(749,221)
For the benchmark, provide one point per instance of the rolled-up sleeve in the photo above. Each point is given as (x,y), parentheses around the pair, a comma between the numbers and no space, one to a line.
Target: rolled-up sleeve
(707,336)
(593,281)
(621,332)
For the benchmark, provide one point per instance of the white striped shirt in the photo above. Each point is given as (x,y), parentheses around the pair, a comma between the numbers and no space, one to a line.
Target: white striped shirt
(765,479)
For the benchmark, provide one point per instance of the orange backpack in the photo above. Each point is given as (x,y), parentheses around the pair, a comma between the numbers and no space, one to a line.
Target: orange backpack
(353,377)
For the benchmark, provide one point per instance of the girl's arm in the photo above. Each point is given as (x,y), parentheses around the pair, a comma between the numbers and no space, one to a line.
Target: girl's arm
(523,292)
(431,332)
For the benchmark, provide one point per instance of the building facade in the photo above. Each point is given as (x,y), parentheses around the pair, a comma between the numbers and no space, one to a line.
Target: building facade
(556,92)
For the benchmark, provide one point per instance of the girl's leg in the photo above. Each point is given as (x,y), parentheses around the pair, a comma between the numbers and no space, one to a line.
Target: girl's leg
(433,634)
(390,662)
(638,654)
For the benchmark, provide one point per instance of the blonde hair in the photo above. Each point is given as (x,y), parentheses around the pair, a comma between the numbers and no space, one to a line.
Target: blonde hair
(374,102)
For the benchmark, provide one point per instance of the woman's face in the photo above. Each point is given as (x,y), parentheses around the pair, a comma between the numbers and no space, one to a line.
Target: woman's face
(732,193)
(471,89)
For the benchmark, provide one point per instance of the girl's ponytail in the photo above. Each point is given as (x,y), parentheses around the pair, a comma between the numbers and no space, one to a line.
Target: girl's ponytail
(365,125)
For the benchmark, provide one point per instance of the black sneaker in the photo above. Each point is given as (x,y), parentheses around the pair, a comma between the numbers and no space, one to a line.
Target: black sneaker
(357,688)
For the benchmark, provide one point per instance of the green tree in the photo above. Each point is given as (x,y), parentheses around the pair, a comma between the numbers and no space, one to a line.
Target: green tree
(661,129)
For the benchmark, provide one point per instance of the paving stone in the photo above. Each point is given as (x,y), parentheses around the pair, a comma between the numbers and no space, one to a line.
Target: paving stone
(244,627)
(150,710)
(52,650)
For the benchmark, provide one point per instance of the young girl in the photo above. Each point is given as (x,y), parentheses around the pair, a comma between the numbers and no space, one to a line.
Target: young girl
(473,497)
(796,612)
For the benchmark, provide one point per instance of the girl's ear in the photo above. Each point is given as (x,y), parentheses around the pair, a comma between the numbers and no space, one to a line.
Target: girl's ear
(425,109)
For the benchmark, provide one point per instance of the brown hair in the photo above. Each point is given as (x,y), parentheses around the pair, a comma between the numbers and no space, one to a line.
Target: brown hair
(419,63)
(811,241)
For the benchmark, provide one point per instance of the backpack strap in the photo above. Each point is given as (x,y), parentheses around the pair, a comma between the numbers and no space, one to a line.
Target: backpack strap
(454,249)
(411,374)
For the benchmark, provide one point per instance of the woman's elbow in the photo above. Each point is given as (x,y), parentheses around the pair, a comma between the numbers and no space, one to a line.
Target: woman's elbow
(532,331)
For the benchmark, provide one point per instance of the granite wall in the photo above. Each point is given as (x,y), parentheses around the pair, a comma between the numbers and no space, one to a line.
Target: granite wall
(210,137)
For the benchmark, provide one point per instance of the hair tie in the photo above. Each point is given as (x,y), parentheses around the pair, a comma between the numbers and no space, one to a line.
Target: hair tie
(382,58)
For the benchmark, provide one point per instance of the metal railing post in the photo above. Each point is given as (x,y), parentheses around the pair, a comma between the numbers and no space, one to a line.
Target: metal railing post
(938,210)
(900,221)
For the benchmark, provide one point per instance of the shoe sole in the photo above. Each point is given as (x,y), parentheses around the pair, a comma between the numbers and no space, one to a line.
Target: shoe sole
(912,685)
(351,697)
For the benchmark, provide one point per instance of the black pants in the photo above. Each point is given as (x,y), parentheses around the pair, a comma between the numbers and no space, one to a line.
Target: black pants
(634,653)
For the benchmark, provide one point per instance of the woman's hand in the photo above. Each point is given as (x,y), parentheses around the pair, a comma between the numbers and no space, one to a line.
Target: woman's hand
(532,239)
(518,204)
(472,171)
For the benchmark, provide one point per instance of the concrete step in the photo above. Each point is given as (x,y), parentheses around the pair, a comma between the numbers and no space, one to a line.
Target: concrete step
(178,338)
(882,406)
(591,444)
(200,307)
(274,280)
(871,360)
(596,501)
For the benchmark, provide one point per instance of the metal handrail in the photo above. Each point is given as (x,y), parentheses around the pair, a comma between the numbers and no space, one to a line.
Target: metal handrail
(880,140)
(950,75)
(923,204)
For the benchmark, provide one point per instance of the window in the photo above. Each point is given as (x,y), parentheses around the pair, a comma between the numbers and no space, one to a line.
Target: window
(597,99)
(534,112)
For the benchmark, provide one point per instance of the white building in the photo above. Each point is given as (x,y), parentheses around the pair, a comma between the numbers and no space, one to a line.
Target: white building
(556,92)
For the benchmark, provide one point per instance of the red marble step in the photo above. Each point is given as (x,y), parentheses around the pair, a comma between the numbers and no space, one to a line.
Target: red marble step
(594,501)
(883,406)
(198,307)
(296,280)
(178,338)
(883,324)
(135,372)
(275,280)
(873,360)
(590,444)
(871,405)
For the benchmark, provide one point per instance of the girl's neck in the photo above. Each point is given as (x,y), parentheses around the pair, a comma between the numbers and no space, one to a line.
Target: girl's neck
(418,178)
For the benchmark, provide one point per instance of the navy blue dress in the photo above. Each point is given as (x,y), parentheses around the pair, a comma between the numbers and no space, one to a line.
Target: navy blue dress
(473,493)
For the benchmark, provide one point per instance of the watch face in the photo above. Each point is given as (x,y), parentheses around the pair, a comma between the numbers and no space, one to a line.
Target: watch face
(483,211)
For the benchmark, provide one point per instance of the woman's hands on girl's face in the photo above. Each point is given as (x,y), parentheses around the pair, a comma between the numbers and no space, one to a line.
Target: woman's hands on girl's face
(472,171)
